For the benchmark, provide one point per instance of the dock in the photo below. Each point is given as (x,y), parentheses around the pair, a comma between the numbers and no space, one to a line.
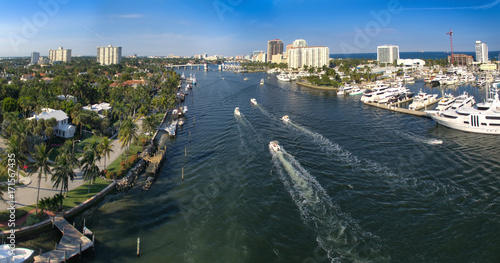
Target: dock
(391,107)
(71,244)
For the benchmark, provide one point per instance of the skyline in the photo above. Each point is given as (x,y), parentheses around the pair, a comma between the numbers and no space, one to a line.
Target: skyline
(229,28)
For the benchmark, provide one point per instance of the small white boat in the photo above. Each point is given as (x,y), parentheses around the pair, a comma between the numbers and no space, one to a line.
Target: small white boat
(357,91)
(181,122)
(261,81)
(285,118)
(16,255)
(436,141)
(245,79)
(253,101)
(237,111)
(274,147)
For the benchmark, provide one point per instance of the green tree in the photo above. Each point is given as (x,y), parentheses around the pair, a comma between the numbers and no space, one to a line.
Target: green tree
(63,172)
(9,104)
(89,162)
(128,132)
(105,149)
(149,123)
(41,165)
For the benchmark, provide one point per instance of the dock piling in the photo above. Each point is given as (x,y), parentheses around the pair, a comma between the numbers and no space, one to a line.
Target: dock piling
(93,243)
(40,251)
(80,252)
(138,246)
(185,151)
(183,173)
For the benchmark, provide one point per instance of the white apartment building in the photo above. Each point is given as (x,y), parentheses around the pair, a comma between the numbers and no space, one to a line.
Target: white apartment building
(34,57)
(387,53)
(298,57)
(109,55)
(481,52)
(60,55)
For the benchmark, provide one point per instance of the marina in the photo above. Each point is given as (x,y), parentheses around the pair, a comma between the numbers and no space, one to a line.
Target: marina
(216,173)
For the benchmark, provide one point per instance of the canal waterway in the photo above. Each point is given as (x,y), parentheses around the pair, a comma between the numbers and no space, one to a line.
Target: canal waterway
(354,183)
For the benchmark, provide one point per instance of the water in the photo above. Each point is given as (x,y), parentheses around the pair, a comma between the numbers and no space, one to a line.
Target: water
(355,184)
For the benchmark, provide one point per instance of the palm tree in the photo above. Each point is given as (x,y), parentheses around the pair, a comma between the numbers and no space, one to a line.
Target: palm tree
(90,157)
(105,149)
(41,165)
(63,172)
(149,123)
(15,146)
(128,133)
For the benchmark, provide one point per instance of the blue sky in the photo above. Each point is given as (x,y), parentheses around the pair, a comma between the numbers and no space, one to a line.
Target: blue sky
(231,27)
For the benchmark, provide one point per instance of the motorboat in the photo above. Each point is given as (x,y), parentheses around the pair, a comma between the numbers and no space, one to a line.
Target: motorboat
(344,89)
(274,147)
(446,102)
(237,111)
(283,77)
(16,255)
(253,101)
(357,91)
(421,100)
(285,119)
(440,79)
(484,118)
(408,79)
(172,128)
(261,81)
(389,93)
(379,89)
(464,100)
(181,122)
(245,79)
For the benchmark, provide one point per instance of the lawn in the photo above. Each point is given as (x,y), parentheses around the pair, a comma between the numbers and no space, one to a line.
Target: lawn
(80,194)
(116,164)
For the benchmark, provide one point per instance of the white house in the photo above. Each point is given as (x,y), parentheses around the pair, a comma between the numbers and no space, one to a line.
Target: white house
(99,108)
(62,128)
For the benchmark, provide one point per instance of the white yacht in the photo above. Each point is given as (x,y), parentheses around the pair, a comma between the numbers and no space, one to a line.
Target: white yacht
(285,119)
(237,111)
(274,147)
(440,79)
(16,255)
(446,102)
(379,89)
(357,91)
(389,93)
(421,100)
(484,118)
(261,81)
(344,89)
(253,101)
(463,100)
(408,79)
(283,77)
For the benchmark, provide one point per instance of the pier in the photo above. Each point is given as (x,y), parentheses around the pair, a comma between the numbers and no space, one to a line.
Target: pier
(71,244)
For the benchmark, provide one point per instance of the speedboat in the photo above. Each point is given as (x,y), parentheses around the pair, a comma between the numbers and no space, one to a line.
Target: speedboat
(17,255)
(237,111)
(245,79)
(357,91)
(285,118)
(261,81)
(436,141)
(274,147)
(253,101)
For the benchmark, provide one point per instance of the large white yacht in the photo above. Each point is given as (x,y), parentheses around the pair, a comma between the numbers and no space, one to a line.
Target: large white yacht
(484,118)
(421,100)
(446,102)
(440,79)
(389,93)
(379,89)
(464,100)
(283,77)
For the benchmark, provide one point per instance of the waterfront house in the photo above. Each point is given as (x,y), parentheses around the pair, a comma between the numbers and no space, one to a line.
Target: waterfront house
(100,109)
(62,128)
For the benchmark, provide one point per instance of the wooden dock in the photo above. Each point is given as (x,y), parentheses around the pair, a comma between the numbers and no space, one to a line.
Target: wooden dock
(392,107)
(71,244)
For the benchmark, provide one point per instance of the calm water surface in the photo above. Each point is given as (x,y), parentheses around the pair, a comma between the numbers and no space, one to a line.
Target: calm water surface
(354,184)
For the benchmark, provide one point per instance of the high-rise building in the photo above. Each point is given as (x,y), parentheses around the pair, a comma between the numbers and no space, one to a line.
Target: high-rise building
(109,55)
(274,47)
(481,52)
(298,57)
(387,53)
(34,57)
(60,55)
(299,43)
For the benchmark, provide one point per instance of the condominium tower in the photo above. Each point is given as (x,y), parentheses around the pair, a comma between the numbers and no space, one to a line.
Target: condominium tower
(298,57)
(60,55)
(481,52)
(274,47)
(34,57)
(387,53)
(109,55)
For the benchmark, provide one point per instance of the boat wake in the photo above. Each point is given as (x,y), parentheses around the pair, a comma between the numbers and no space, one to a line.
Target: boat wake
(336,232)
(417,138)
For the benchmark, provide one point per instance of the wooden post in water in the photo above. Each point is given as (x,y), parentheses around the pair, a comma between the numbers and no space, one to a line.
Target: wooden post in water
(93,242)
(40,251)
(73,224)
(65,255)
(189,136)
(49,259)
(185,151)
(183,173)
(138,246)
(52,220)
(194,121)
(83,229)
(80,252)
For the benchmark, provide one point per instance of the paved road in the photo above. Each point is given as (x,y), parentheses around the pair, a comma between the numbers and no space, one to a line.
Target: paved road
(26,195)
